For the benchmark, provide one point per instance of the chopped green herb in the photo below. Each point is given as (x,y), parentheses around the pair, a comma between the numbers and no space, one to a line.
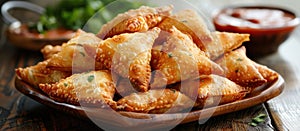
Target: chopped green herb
(258,119)
(184,21)
(91,78)
(173,90)
(239,59)
(82,54)
(65,84)
(170,55)
(253,124)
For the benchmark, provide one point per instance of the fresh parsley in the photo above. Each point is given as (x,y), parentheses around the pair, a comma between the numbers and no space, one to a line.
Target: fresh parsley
(65,84)
(82,54)
(239,59)
(170,55)
(90,78)
(258,119)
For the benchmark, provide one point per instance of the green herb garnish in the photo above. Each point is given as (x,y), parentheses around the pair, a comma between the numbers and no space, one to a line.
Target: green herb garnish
(184,21)
(90,78)
(82,54)
(258,119)
(65,84)
(170,55)
(174,91)
(239,59)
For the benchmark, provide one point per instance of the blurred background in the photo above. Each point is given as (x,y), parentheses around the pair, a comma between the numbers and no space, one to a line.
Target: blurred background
(205,6)
(22,15)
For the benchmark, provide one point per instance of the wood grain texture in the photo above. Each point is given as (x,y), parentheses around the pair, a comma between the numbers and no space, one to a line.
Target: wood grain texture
(284,109)
(238,121)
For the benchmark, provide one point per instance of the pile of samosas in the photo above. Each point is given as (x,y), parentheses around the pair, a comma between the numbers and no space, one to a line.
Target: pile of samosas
(149,60)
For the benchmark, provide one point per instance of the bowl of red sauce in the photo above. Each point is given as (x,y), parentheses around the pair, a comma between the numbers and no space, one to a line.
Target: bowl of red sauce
(268,26)
(21,36)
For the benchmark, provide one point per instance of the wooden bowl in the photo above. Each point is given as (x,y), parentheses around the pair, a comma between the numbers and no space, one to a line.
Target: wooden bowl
(107,118)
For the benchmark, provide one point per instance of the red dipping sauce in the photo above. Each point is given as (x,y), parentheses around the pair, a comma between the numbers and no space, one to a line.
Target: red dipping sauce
(268,26)
(22,37)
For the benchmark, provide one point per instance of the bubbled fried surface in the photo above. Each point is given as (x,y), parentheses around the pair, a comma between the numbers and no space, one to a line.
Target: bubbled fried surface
(39,73)
(94,88)
(181,59)
(240,69)
(73,57)
(155,101)
(224,42)
(215,90)
(49,50)
(129,56)
(189,22)
(141,19)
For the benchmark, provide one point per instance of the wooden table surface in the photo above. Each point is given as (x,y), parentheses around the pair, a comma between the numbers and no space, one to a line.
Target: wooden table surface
(19,112)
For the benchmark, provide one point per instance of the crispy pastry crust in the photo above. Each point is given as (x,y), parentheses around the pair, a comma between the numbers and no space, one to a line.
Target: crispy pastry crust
(240,69)
(180,59)
(212,90)
(129,55)
(94,88)
(189,22)
(269,74)
(191,66)
(48,51)
(155,101)
(217,90)
(213,44)
(73,57)
(137,20)
(39,73)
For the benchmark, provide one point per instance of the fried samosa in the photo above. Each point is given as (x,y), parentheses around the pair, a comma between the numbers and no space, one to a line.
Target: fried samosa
(217,90)
(141,19)
(39,73)
(180,59)
(212,90)
(266,72)
(73,57)
(224,42)
(214,44)
(240,69)
(49,50)
(129,55)
(155,101)
(94,88)
(189,22)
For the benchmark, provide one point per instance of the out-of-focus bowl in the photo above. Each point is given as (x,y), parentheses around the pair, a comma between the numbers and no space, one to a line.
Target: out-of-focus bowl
(268,26)
(19,34)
